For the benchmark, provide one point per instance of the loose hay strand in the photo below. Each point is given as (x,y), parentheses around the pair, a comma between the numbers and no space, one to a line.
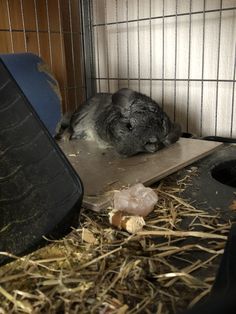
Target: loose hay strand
(16,303)
(99,258)
(182,234)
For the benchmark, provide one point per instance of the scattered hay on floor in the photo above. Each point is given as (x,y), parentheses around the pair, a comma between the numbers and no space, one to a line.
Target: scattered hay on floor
(165,268)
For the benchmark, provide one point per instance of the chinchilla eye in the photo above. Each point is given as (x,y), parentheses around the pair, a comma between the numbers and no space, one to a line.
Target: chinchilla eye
(129,126)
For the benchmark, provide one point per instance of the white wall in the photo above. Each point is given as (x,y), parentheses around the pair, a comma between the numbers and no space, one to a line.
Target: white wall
(172,48)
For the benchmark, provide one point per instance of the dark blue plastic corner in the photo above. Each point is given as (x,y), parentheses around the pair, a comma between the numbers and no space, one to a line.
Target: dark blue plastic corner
(37,84)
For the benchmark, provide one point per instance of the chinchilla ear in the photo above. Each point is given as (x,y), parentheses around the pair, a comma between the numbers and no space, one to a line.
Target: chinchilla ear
(123,99)
(123,96)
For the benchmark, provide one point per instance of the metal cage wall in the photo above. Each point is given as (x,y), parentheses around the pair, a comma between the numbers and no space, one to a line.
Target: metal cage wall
(181,53)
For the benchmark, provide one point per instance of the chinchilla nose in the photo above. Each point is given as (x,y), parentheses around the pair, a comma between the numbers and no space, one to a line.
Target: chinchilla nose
(151,147)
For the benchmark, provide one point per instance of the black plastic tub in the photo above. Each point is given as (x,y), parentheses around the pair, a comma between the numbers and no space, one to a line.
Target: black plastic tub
(40,193)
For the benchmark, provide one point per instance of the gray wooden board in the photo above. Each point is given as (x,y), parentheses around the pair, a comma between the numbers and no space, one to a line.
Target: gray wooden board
(103,170)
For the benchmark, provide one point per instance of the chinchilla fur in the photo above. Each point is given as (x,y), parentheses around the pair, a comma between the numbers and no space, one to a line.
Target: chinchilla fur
(126,120)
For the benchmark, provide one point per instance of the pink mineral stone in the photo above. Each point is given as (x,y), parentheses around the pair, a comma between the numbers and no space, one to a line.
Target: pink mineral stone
(136,200)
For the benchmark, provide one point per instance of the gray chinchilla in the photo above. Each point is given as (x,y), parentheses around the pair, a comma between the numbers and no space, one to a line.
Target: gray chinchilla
(126,120)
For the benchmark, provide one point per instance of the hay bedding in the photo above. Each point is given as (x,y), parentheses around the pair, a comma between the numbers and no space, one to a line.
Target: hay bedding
(165,268)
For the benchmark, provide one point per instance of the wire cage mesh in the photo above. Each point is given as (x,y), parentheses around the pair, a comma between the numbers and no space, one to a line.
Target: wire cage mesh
(181,53)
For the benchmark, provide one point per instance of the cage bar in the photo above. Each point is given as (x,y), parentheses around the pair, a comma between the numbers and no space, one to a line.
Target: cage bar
(233,94)
(138,42)
(73,56)
(88,47)
(98,63)
(49,34)
(166,79)
(164,16)
(203,63)
(176,23)
(189,61)
(218,67)
(107,49)
(163,52)
(10,26)
(37,26)
(96,42)
(117,45)
(62,54)
(23,24)
(82,72)
(127,30)
(150,38)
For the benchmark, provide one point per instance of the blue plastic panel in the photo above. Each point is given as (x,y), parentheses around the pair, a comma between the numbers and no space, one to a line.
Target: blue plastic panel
(37,84)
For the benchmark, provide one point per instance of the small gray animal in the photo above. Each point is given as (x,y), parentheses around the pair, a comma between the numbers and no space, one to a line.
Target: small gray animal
(127,120)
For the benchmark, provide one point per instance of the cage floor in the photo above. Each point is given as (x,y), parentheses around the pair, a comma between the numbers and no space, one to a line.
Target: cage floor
(103,170)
